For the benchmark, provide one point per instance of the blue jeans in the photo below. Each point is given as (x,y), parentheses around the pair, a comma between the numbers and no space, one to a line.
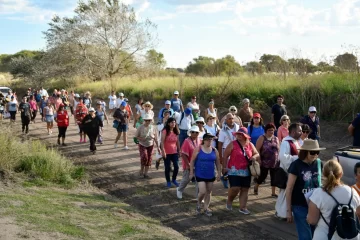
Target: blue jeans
(174,158)
(182,136)
(305,231)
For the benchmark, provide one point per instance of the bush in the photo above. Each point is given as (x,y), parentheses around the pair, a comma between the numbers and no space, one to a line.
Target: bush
(34,159)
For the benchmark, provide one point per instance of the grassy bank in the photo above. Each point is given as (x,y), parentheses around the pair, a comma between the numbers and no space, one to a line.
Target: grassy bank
(335,95)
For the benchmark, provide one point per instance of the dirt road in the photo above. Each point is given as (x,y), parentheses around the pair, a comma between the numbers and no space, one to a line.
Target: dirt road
(116,172)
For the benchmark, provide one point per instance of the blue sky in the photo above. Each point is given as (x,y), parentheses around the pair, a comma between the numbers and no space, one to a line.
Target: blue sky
(245,29)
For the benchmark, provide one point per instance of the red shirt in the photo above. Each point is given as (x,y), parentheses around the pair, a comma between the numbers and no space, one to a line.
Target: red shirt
(170,145)
(188,148)
(62,118)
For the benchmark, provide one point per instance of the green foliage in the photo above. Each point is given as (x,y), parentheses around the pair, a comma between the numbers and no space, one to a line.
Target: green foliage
(254,67)
(155,59)
(6,59)
(272,63)
(35,160)
(347,61)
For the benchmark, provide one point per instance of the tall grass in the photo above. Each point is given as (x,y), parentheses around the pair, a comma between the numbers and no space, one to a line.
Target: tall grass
(335,95)
(34,159)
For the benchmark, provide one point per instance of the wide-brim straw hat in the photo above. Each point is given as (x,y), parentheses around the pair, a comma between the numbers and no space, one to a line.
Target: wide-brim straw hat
(311,145)
(149,104)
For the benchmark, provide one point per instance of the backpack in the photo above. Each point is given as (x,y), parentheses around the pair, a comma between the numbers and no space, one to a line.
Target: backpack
(343,220)
(182,117)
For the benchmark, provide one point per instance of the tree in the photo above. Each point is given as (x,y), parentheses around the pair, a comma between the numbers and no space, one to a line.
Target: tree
(202,66)
(302,65)
(254,67)
(228,66)
(346,61)
(272,63)
(155,60)
(106,36)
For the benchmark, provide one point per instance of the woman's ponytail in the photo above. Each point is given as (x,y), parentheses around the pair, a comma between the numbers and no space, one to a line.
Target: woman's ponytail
(332,173)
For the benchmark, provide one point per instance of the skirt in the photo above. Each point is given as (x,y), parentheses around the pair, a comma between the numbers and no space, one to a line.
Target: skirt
(49,118)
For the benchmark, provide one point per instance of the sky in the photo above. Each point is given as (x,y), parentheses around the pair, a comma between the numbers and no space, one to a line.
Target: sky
(246,29)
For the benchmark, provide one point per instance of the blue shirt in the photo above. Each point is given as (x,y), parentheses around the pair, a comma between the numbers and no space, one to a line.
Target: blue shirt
(160,117)
(205,164)
(255,133)
(176,104)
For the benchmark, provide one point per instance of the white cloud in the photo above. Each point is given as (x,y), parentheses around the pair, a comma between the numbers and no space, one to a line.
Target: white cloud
(143,6)
(346,12)
(210,7)
(163,16)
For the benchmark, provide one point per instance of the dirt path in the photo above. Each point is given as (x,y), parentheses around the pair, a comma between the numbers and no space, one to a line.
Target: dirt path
(116,172)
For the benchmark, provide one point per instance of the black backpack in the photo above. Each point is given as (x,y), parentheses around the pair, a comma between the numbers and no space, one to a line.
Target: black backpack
(343,220)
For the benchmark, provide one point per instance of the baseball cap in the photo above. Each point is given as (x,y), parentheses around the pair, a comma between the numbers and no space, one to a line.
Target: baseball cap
(123,104)
(167,102)
(188,111)
(77,95)
(126,100)
(91,109)
(257,115)
(121,94)
(176,93)
(312,109)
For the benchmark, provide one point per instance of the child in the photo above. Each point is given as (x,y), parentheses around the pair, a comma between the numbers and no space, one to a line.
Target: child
(356,186)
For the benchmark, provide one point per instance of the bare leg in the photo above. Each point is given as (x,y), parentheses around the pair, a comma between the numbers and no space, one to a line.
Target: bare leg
(209,187)
(118,137)
(243,197)
(202,192)
(125,139)
(273,190)
(232,193)
(146,170)
(142,170)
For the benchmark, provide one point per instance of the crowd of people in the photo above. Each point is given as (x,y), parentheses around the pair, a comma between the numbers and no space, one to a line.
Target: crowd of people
(237,149)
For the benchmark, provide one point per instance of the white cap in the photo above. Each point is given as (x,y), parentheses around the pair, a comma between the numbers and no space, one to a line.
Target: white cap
(193,129)
(91,109)
(121,94)
(77,95)
(167,102)
(176,93)
(147,117)
(200,119)
(312,109)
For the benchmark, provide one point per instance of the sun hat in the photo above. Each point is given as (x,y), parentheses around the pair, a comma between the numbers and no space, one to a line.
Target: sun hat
(167,102)
(312,109)
(77,95)
(200,119)
(188,111)
(256,115)
(126,100)
(207,136)
(121,94)
(176,93)
(123,104)
(91,109)
(98,103)
(311,145)
(147,117)
(246,100)
(193,129)
(210,115)
(243,131)
(232,107)
(148,104)
(166,111)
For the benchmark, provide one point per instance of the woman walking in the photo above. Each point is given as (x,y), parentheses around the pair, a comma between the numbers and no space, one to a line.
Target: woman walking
(91,124)
(314,123)
(12,108)
(195,107)
(49,116)
(213,111)
(101,113)
(283,130)
(204,160)
(33,108)
(170,149)
(80,113)
(324,200)
(43,104)
(112,102)
(146,135)
(246,113)
(200,122)
(139,106)
(305,134)
(146,111)
(304,176)
(241,152)
(268,146)
(62,119)
(256,128)
(233,111)
(212,128)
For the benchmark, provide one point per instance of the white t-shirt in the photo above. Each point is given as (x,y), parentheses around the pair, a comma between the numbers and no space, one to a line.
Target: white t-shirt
(118,102)
(143,113)
(326,204)
(112,100)
(75,103)
(186,122)
(213,130)
(193,106)
(225,135)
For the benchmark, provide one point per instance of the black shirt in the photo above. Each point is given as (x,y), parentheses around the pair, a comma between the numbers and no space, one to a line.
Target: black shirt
(356,125)
(278,112)
(91,125)
(313,125)
(25,109)
(307,179)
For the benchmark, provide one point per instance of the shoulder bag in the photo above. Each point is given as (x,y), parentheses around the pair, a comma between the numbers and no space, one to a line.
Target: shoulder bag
(254,166)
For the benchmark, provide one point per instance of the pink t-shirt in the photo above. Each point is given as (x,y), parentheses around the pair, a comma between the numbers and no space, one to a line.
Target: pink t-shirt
(188,148)
(170,145)
(282,133)
(57,103)
(33,105)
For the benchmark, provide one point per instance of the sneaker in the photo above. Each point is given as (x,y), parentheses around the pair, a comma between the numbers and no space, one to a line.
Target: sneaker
(175,183)
(80,140)
(168,184)
(244,211)
(208,212)
(224,182)
(115,145)
(64,144)
(198,209)
(229,207)
(126,148)
(93,152)
(178,193)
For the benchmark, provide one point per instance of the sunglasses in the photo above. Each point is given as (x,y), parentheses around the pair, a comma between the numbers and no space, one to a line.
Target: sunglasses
(286,120)
(314,152)
(233,110)
(199,123)
(305,131)
(312,112)
(147,120)
(194,132)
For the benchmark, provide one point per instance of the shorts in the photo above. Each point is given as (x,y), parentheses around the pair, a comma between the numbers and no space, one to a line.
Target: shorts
(12,115)
(122,128)
(111,106)
(81,128)
(49,118)
(198,179)
(238,181)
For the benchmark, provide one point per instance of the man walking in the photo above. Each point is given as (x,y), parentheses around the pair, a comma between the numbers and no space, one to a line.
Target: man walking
(176,103)
(354,130)
(278,110)
(185,120)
